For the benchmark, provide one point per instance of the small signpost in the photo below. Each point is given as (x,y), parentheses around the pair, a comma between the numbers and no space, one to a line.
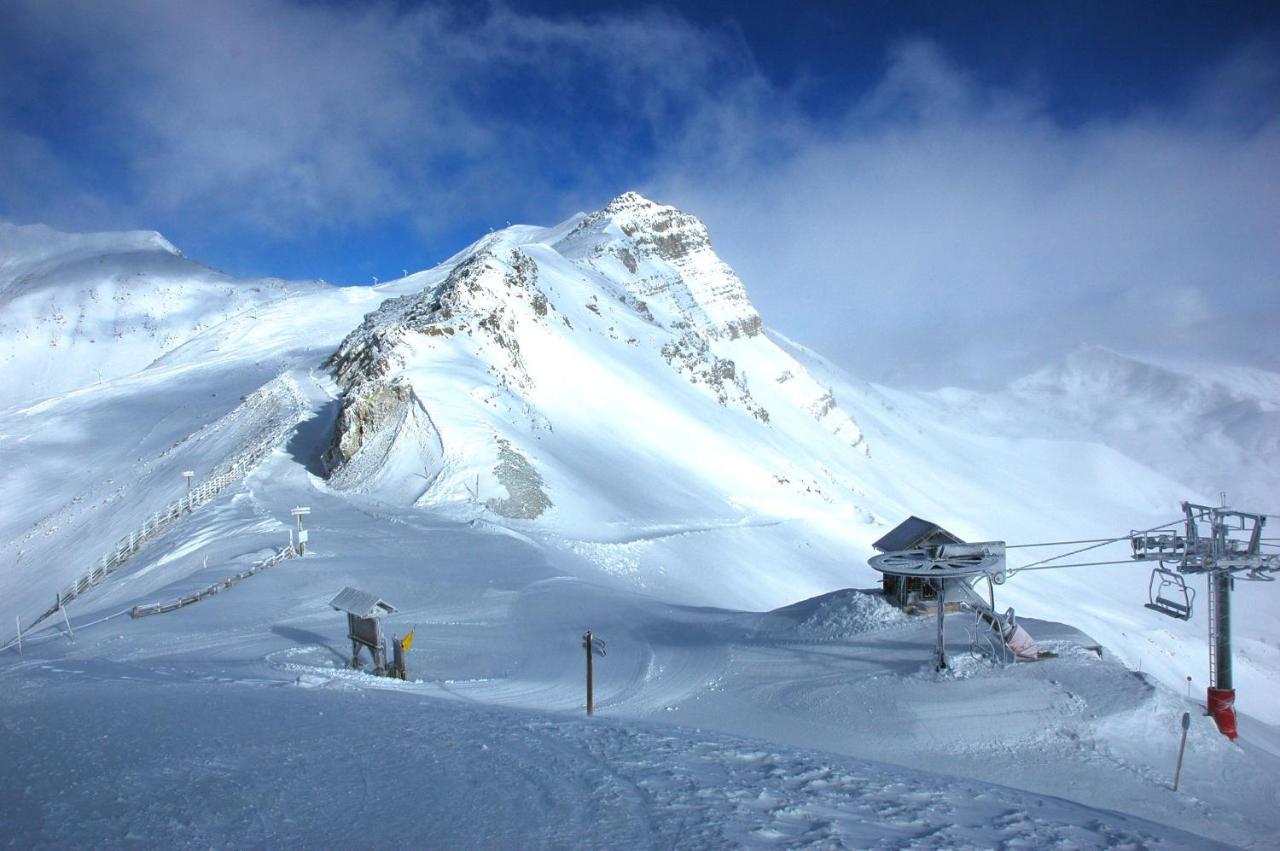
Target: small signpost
(1186,725)
(299,513)
(188,475)
(593,646)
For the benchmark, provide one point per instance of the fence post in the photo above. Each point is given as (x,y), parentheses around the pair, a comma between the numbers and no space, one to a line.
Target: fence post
(70,635)
(17,620)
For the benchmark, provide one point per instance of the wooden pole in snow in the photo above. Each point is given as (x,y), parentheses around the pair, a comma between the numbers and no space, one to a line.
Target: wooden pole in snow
(586,642)
(1186,724)
(942,641)
(593,646)
(17,620)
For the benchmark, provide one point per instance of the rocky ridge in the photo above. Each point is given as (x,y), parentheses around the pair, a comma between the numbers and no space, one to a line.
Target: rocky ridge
(637,274)
(664,258)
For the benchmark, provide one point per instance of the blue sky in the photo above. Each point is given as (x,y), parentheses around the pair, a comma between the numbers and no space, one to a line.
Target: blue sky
(1040,174)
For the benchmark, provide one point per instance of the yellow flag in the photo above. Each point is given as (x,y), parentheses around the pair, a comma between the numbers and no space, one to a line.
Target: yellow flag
(407,641)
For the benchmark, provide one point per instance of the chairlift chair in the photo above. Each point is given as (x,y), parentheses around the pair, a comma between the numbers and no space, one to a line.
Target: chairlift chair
(1169,595)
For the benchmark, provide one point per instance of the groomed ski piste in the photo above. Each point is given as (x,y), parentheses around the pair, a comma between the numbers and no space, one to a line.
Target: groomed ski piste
(756,690)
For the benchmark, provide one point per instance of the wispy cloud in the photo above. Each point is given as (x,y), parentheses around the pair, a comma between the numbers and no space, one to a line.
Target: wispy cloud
(954,232)
(289,116)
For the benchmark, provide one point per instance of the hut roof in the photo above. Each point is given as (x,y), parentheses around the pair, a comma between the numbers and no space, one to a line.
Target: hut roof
(362,604)
(914,532)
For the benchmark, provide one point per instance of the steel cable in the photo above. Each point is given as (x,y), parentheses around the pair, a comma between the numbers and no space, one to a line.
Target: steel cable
(1100,543)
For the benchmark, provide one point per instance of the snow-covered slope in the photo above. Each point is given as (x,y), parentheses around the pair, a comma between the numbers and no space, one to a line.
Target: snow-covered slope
(605,381)
(589,426)
(76,309)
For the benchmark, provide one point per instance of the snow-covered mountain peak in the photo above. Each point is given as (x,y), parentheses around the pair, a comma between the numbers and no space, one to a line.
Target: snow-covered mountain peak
(30,252)
(664,257)
(1097,377)
(634,222)
(36,240)
(81,308)
(615,330)
(631,200)
(1103,374)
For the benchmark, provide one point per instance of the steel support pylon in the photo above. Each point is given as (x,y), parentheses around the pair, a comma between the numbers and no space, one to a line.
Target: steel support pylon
(1221,694)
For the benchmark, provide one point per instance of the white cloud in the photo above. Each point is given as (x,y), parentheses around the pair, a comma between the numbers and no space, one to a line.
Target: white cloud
(953,233)
(931,228)
(289,117)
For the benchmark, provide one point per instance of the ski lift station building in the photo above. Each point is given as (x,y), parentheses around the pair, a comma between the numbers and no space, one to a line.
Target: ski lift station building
(912,533)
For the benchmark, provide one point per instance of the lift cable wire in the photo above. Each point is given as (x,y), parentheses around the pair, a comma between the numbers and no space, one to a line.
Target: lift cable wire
(1076,564)
(1101,543)
(1063,543)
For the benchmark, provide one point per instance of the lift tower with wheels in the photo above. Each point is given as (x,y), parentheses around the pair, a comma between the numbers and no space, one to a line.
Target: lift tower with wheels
(1231,546)
(946,566)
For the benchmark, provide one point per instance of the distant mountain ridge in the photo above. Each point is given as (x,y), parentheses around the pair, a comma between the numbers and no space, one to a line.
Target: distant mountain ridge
(1215,429)
(81,308)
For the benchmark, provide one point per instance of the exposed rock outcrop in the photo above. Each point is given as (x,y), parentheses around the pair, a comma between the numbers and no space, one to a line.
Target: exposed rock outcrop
(665,259)
(526,495)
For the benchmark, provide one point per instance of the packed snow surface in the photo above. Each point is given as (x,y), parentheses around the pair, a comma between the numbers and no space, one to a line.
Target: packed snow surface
(558,429)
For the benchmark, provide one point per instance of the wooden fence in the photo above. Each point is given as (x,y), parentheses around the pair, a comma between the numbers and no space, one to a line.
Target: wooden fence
(203,493)
(217,587)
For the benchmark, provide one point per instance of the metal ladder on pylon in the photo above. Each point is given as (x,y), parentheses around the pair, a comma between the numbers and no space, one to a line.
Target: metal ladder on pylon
(1213,629)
